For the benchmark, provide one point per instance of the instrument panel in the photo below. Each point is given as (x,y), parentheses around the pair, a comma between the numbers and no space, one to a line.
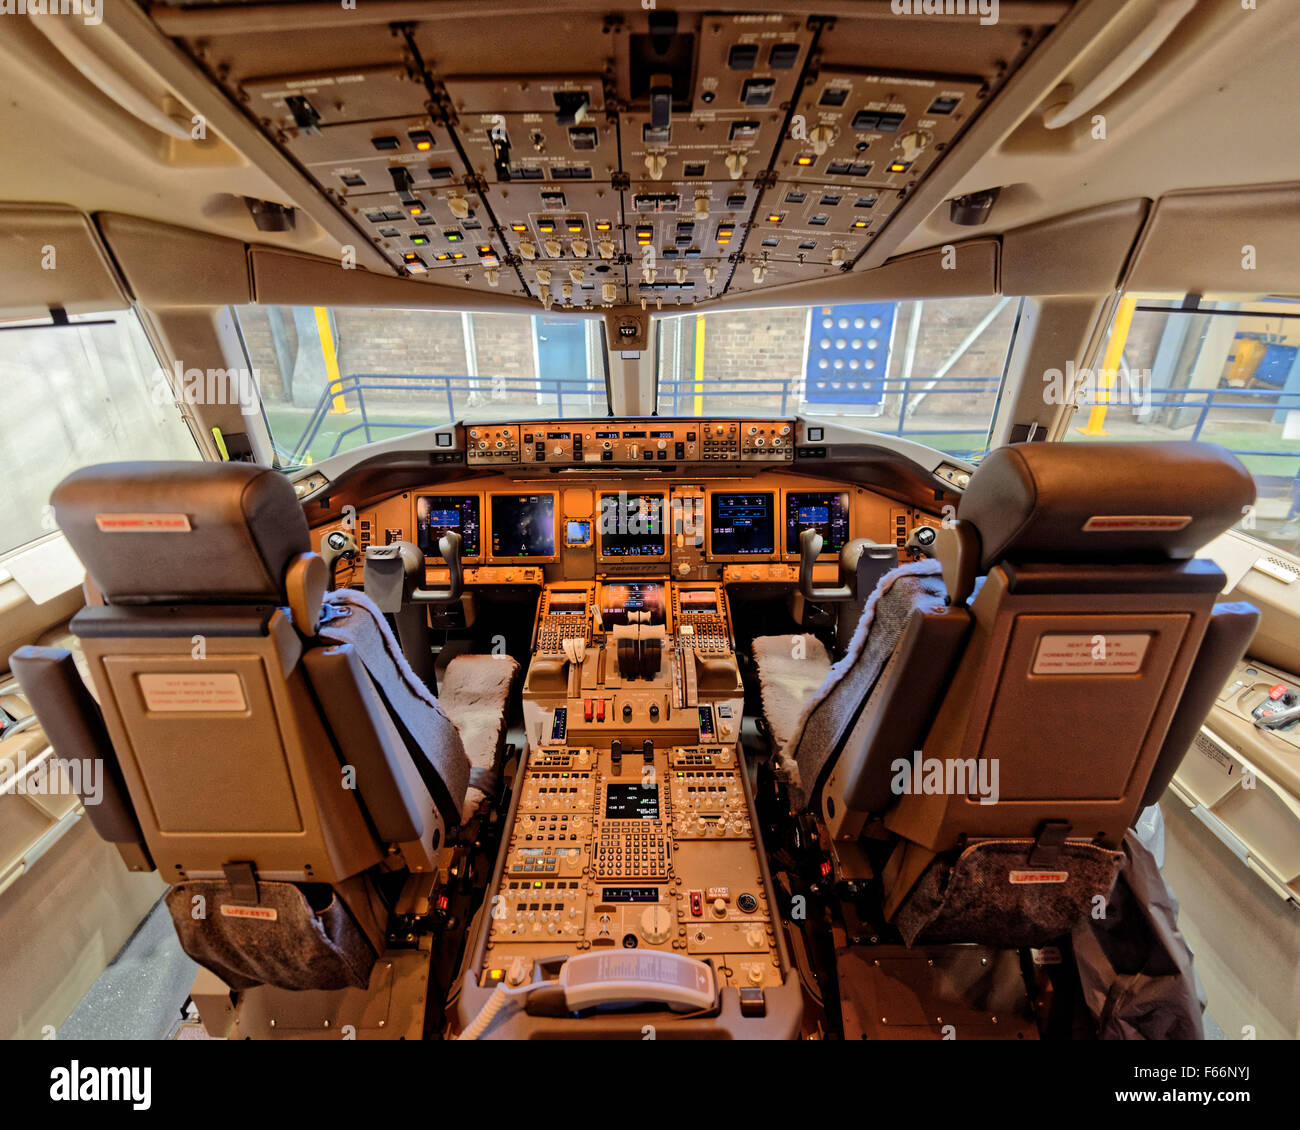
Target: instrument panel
(701,530)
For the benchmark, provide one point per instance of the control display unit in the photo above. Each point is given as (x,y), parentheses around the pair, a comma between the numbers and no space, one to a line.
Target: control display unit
(742,525)
(632,526)
(436,515)
(523,526)
(631,802)
(827,512)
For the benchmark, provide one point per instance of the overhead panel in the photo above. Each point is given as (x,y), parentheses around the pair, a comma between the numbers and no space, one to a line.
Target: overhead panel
(545,152)
(697,142)
(591,158)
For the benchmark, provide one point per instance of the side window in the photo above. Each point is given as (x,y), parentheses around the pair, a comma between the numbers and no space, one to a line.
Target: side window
(88,392)
(1225,372)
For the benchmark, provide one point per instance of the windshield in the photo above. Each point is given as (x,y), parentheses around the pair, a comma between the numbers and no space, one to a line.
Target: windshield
(332,379)
(929,371)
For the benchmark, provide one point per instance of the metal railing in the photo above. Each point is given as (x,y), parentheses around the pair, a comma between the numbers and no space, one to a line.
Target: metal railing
(677,396)
(353,390)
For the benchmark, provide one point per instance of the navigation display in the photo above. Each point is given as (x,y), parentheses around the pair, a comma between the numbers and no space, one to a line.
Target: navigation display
(632,525)
(617,600)
(632,802)
(827,512)
(742,524)
(523,525)
(436,515)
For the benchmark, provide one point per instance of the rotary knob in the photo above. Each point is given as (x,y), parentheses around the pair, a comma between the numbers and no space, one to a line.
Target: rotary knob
(656,924)
(720,907)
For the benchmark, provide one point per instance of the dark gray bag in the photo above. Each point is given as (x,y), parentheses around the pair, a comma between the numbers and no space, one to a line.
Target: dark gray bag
(1135,967)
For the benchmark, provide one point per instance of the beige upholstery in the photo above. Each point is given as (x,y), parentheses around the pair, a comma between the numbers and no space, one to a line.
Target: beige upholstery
(475,693)
(790,671)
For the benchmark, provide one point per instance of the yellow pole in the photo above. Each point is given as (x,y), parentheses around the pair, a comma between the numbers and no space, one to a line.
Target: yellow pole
(1109,365)
(698,405)
(331,358)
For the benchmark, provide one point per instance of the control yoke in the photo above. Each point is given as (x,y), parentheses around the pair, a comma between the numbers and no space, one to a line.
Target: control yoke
(335,546)
(862,564)
(449,546)
(392,578)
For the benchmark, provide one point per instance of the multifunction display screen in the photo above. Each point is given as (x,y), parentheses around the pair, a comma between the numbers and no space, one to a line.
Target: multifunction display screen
(618,600)
(523,525)
(742,524)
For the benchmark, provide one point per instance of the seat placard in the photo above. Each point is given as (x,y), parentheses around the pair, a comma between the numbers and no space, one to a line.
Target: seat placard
(180,694)
(1102,653)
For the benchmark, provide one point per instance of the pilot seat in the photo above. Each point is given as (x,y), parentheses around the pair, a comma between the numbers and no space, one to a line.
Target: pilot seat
(1005,710)
(265,744)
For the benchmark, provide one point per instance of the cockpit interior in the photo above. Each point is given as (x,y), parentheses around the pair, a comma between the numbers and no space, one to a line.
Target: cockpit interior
(650,520)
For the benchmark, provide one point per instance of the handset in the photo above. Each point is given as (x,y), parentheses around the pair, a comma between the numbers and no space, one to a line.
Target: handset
(626,977)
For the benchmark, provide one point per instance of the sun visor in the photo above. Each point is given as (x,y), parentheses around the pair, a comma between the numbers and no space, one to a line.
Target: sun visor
(51,256)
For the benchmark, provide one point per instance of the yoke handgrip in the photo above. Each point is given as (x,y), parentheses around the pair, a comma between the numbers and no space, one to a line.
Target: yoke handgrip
(449,546)
(810,548)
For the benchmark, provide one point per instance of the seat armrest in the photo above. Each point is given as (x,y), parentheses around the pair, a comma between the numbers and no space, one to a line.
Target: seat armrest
(900,709)
(364,735)
(74,725)
(1227,635)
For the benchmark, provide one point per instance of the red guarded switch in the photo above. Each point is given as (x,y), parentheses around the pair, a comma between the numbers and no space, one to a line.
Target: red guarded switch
(588,708)
(697,904)
(600,710)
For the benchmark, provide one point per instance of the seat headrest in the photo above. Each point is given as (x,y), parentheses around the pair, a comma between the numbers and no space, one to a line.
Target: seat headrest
(1062,502)
(183,533)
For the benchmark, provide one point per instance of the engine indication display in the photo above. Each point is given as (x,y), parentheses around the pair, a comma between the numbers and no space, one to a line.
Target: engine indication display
(827,512)
(632,525)
(436,515)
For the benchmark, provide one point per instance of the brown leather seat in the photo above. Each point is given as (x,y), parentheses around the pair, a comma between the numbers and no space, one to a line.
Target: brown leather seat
(277,775)
(1005,746)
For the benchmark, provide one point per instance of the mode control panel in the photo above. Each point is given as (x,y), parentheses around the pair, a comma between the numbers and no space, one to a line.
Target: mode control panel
(654,442)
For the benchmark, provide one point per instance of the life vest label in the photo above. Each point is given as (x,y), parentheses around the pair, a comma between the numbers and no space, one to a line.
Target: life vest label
(1109,523)
(143,523)
(1037,876)
(263,913)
